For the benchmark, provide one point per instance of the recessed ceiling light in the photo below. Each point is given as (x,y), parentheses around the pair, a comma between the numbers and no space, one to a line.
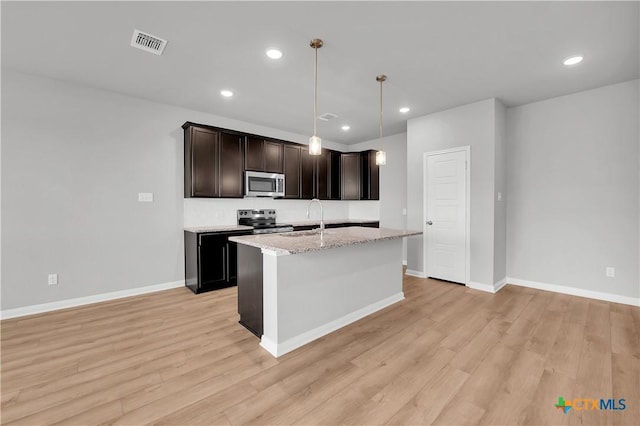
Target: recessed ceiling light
(226,93)
(274,53)
(573,60)
(345,127)
(405,110)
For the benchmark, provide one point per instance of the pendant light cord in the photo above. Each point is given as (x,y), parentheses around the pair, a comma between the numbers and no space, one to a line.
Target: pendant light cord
(315,90)
(381,140)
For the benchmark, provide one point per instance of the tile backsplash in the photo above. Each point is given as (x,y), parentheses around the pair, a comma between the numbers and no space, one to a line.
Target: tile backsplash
(209,212)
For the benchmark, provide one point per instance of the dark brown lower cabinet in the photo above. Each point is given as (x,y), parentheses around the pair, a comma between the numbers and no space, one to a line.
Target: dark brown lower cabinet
(210,260)
(250,288)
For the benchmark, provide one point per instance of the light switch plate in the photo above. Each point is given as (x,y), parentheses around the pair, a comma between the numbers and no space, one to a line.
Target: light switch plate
(53,279)
(145,197)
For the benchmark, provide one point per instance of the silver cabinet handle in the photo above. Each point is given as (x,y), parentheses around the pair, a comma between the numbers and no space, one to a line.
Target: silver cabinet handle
(429,222)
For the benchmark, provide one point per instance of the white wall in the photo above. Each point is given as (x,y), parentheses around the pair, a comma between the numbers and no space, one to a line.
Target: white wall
(500,205)
(393,184)
(473,125)
(74,159)
(573,190)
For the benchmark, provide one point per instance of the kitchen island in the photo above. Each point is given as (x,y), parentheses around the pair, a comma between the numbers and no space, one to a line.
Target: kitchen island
(295,287)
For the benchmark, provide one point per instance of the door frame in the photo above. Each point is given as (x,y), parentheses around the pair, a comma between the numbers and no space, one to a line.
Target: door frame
(425,188)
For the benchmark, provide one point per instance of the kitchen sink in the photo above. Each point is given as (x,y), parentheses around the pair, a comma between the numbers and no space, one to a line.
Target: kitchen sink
(302,233)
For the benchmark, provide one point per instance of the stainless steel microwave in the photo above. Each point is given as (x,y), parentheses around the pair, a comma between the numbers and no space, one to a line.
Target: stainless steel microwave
(260,184)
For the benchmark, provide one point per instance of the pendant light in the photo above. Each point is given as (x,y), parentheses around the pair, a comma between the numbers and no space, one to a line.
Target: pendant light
(381,156)
(315,143)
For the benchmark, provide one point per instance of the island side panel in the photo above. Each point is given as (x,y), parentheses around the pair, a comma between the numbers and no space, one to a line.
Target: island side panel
(312,294)
(250,288)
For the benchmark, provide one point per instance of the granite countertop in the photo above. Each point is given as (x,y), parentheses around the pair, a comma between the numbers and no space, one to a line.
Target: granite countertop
(330,221)
(218,228)
(306,241)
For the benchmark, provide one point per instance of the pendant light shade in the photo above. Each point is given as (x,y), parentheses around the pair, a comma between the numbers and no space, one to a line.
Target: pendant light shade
(315,143)
(381,156)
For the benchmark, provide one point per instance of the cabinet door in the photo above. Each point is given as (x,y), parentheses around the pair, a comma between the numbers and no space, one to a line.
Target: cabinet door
(374,173)
(273,157)
(201,163)
(323,177)
(350,176)
(212,261)
(307,172)
(291,171)
(230,166)
(370,177)
(254,154)
(232,262)
(334,175)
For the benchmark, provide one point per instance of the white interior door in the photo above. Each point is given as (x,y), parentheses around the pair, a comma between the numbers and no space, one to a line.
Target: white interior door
(446,215)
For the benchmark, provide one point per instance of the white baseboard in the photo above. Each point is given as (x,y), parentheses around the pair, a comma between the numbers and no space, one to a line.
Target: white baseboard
(413,273)
(279,349)
(489,288)
(497,286)
(481,286)
(70,303)
(609,297)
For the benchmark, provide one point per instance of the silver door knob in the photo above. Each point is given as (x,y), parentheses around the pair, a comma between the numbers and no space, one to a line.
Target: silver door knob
(429,222)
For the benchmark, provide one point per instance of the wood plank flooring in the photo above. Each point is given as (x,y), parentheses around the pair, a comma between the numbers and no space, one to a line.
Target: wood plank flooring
(444,355)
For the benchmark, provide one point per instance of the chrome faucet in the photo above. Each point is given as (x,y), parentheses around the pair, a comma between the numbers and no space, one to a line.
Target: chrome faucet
(321,215)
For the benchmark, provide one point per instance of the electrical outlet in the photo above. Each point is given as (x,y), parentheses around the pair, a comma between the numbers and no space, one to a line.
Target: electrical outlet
(404,212)
(53,279)
(145,197)
(499,196)
(611,271)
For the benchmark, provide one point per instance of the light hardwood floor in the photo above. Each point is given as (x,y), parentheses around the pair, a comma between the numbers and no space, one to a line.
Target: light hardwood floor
(445,355)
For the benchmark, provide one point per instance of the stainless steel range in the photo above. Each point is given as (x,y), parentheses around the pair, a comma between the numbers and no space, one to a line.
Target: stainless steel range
(263,221)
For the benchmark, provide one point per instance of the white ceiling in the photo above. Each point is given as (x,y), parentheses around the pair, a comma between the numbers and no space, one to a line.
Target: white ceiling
(437,55)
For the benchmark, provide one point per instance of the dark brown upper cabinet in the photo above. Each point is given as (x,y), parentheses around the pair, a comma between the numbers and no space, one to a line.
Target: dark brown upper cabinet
(307,174)
(213,162)
(291,164)
(328,175)
(201,166)
(231,170)
(273,156)
(263,155)
(254,154)
(323,175)
(370,176)
(350,176)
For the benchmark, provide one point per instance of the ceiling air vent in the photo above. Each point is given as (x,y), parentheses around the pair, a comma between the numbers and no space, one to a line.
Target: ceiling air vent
(327,116)
(147,42)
